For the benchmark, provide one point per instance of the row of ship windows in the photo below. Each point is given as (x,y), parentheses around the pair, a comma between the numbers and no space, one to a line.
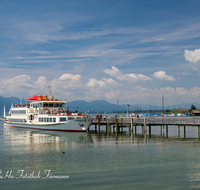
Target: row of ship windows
(44,119)
(18,112)
(17,120)
(41,119)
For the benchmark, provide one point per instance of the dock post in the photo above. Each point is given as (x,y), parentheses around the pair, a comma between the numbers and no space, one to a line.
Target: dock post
(167,131)
(150,131)
(145,137)
(95,128)
(116,125)
(135,129)
(184,132)
(108,127)
(145,127)
(131,125)
(160,130)
(178,131)
(142,128)
(98,125)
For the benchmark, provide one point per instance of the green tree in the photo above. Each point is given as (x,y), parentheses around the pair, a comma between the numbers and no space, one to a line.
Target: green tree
(193,107)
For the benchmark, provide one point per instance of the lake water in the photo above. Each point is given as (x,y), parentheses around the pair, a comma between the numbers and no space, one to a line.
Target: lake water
(92,161)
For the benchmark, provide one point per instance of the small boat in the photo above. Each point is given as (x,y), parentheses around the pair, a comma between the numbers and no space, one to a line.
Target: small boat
(4,113)
(46,114)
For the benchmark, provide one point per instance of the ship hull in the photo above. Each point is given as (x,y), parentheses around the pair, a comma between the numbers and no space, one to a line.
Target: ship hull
(68,126)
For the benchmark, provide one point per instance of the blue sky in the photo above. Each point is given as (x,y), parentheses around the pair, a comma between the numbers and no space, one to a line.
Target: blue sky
(131,50)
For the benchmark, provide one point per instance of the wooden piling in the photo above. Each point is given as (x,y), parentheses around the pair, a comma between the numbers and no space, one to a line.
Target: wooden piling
(167,131)
(145,127)
(178,131)
(131,125)
(116,125)
(108,127)
(184,131)
(142,128)
(160,130)
(98,125)
(150,131)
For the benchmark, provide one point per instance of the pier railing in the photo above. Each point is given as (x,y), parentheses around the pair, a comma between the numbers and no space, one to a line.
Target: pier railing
(149,120)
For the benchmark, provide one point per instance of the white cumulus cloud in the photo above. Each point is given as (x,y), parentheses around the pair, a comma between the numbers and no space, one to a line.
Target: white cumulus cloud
(70,76)
(161,75)
(192,56)
(116,73)
(101,83)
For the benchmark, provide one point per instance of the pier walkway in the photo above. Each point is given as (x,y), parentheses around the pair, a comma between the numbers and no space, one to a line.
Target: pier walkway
(117,124)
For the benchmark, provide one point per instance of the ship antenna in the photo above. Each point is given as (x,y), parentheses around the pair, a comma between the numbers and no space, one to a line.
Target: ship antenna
(50,92)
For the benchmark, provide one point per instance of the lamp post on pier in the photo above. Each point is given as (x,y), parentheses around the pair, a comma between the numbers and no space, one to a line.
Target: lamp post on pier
(127,109)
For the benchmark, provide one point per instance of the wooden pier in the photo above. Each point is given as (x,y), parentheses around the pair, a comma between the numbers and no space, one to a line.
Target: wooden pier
(116,125)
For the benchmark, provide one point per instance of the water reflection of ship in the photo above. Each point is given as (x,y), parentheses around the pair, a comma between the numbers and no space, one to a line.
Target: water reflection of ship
(27,136)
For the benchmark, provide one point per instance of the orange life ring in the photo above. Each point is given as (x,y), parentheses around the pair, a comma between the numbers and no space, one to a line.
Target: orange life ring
(83,114)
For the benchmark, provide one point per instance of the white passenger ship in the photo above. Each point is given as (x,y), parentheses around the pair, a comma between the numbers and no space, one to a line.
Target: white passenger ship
(46,114)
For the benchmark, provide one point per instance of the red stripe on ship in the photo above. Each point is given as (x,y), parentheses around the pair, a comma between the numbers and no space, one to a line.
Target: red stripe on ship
(78,131)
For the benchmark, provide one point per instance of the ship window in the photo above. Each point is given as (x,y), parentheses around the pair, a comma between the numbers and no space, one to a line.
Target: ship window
(70,118)
(45,119)
(54,119)
(15,112)
(35,105)
(51,105)
(45,105)
(62,119)
(56,105)
(50,119)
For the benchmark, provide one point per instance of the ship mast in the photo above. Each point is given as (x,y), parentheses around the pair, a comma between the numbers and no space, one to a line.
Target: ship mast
(50,93)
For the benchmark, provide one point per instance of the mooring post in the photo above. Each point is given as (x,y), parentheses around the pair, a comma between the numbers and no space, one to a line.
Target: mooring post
(184,131)
(108,126)
(167,131)
(131,125)
(98,124)
(116,125)
(160,130)
(150,131)
(135,129)
(178,131)
(95,128)
(145,127)
(145,137)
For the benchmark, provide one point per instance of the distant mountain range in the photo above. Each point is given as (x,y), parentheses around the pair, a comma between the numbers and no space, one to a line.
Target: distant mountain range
(104,106)
(7,102)
(101,106)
